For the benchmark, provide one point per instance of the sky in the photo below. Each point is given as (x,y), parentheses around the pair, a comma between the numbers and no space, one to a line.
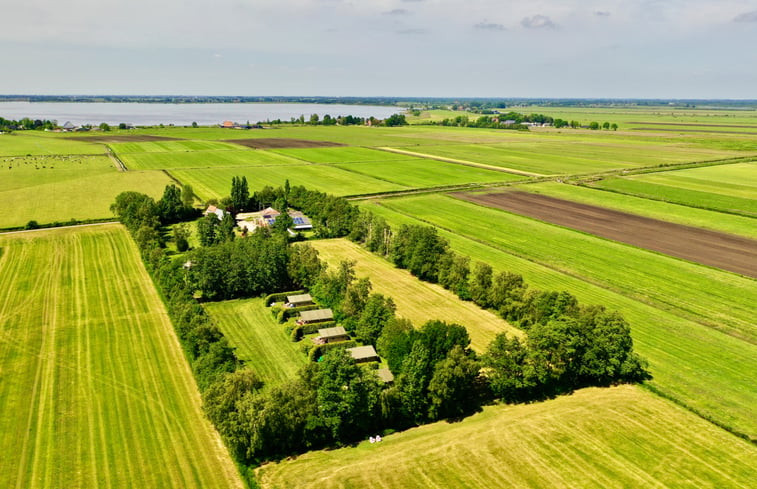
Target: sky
(411,48)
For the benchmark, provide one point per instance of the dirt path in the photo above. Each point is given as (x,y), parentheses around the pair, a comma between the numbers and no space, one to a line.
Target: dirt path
(116,160)
(720,250)
(461,162)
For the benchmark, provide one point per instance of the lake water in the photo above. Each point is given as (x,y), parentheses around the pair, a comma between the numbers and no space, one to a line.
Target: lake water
(180,114)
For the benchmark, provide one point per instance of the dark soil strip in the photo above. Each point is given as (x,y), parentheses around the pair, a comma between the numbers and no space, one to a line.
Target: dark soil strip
(124,139)
(274,143)
(720,250)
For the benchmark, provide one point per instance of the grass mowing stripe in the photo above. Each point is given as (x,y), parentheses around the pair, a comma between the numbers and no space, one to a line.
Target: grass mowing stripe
(702,368)
(115,404)
(595,438)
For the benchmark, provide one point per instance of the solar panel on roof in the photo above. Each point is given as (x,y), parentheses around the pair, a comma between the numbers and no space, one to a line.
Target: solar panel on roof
(299,220)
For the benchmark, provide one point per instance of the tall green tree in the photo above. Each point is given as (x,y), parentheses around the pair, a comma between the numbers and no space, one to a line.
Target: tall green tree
(240,193)
(453,389)
(378,310)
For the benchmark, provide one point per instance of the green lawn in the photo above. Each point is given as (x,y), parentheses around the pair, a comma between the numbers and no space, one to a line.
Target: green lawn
(727,188)
(204,159)
(259,339)
(216,182)
(20,143)
(416,300)
(707,369)
(346,154)
(59,188)
(95,390)
(597,438)
(655,209)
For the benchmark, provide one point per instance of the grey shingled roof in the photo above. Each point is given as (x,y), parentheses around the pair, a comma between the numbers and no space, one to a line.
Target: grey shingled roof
(362,352)
(332,332)
(317,315)
(299,298)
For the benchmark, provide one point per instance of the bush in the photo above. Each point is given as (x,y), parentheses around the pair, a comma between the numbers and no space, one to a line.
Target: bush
(32,225)
(319,350)
(280,296)
(298,331)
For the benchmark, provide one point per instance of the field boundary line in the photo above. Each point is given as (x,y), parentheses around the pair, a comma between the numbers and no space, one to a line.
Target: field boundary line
(105,223)
(460,162)
(115,159)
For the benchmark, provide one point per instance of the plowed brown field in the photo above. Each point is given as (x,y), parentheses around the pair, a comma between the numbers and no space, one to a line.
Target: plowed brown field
(729,252)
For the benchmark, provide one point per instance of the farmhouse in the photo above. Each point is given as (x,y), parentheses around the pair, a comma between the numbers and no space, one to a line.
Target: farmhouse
(267,217)
(215,210)
(316,316)
(299,300)
(68,126)
(331,335)
(362,354)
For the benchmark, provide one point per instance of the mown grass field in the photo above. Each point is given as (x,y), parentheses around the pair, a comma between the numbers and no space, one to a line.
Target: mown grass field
(727,188)
(596,438)
(416,300)
(548,155)
(211,183)
(708,370)
(204,159)
(58,188)
(259,339)
(172,146)
(655,209)
(346,154)
(95,389)
(36,143)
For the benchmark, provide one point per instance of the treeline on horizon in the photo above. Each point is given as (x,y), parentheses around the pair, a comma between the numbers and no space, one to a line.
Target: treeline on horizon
(492,102)
(334,401)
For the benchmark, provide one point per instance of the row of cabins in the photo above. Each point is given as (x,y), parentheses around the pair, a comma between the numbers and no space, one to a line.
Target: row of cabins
(335,334)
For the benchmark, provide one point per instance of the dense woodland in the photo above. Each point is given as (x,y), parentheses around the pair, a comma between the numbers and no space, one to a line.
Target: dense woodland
(335,401)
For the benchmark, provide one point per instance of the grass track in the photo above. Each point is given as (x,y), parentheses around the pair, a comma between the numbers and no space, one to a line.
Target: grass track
(95,389)
(416,300)
(704,368)
(618,437)
(259,339)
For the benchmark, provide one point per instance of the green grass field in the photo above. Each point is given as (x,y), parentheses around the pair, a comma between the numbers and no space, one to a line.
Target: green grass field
(706,369)
(37,143)
(346,154)
(548,155)
(655,209)
(259,339)
(216,182)
(596,438)
(416,300)
(204,159)
(719,299)
(727,188)
(95,389)
(172,146)
(58,188)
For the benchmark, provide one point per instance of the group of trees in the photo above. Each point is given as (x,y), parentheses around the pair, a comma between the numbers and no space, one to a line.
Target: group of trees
(346,120)
(7,125)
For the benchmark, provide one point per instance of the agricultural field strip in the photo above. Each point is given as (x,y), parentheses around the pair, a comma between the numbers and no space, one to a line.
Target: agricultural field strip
(173,146)
(462,162)
(713,297)
(595,438)
(719,250)
(416,300)
(706,370)
(738,179)
(664,211)
(22,145)
(670,193)
(97,391)
(260,341)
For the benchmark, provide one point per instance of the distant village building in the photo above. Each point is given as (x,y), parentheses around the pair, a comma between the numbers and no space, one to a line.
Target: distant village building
(215,210)
(230,125)
(68,126)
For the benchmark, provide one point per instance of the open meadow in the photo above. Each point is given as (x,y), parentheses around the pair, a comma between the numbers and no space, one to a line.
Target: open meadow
(416,300)
(724,188)
(60,188)
(36,143)
(596,438)
(95,391)
(704,368)
(204,159)
(259,339)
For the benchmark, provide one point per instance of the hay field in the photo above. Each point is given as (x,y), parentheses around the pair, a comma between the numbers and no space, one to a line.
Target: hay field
(95,389)
(39,143)
(708,370)
(596,438)
(416,300)
(259,339)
